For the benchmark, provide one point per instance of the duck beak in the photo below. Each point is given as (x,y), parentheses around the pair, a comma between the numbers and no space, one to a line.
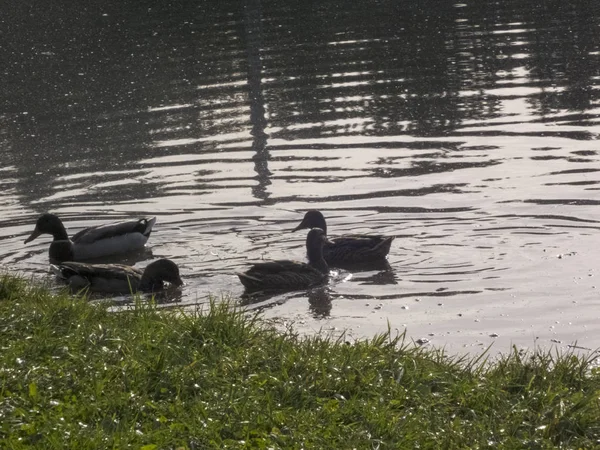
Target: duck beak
(177,282)
(35,234)
(302,226)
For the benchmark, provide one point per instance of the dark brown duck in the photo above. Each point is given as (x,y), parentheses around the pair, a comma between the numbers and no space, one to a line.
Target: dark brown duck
(350,249)
(290,275)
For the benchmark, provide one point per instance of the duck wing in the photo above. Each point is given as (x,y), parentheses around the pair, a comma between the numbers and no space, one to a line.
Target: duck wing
(357,248)
(106,278)
(281,275)
(108,271)
(279,267)
(111,230)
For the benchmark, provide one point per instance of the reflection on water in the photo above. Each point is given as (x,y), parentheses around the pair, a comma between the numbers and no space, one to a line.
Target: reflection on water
(468,131)
(319,301)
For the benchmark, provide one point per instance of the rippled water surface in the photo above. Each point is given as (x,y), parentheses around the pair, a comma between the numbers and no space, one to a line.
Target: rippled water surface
(469,132)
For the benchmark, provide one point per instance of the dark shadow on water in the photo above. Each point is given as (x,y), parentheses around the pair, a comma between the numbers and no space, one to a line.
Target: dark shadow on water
(319,302)
(381,278)
(254,43)
(267,298)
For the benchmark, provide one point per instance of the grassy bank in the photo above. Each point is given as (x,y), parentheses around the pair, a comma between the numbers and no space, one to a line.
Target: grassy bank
(73,375)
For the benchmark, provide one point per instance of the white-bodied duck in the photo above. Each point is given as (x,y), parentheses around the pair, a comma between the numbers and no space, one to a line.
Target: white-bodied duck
(93,242)
(118,278)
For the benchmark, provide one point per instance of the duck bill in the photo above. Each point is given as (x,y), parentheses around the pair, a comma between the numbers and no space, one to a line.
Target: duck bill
(35,234)
(302,226)
(177,282)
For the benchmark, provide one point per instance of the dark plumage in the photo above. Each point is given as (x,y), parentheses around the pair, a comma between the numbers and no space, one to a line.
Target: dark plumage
(93,242)
(350,249)
(290,275)
(118,278)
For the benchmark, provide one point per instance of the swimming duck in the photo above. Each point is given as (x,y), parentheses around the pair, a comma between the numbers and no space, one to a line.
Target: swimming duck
(118,278)
(93,242)
(290,275)
(350,249)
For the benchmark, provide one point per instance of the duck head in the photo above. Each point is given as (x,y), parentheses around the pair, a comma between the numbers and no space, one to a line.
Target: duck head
(158,272)
(49,224)
(312,219)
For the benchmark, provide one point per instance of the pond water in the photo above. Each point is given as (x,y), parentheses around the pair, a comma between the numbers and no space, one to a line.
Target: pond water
(469,131)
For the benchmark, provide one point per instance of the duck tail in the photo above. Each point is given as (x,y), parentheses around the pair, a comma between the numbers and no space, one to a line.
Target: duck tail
(149,222)
(385,244)
(62,272)
(56,270)
(248,280)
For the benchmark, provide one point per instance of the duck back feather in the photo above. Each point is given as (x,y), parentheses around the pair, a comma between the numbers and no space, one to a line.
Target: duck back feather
(143,227)
(281,275)
(357,249)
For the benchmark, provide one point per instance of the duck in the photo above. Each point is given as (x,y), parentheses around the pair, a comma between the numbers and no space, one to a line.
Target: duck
(350,249)
(118,278)
(290,275)
(94,242)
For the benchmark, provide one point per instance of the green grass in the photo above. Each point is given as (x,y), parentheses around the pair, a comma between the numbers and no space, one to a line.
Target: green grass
(75,375)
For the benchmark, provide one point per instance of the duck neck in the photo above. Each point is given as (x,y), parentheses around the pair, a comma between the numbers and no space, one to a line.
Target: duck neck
(60,251)
(59,233)
(315,259)
(320,223)
(150,283)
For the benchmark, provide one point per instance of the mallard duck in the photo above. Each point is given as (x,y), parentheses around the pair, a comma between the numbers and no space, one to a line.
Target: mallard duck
(118,278)
(93,242)
(350,249)
(290,275)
